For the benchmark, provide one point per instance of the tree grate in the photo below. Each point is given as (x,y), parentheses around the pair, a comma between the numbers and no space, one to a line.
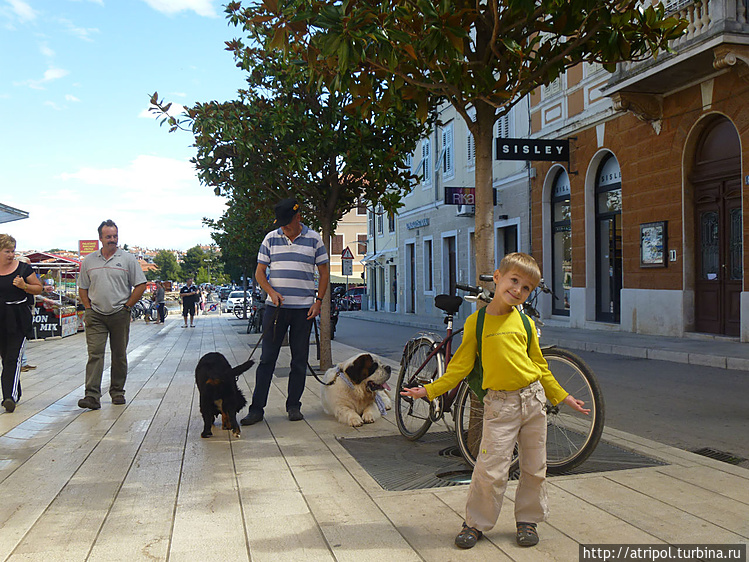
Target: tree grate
(717,455)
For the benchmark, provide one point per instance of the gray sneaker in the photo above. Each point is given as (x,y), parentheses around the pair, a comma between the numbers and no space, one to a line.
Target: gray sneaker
(89,402)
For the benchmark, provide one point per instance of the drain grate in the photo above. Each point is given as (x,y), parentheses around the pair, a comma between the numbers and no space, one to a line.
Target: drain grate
(434,461)
(722,456)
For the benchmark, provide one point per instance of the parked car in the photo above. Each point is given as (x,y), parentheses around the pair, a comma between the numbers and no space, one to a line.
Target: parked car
(352,298)
(235,298)
(223,293)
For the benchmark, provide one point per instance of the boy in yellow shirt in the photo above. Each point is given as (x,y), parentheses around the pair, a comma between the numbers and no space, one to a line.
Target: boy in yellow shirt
(518,382)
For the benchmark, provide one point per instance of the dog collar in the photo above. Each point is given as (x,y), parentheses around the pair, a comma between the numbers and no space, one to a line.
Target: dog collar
(378,399)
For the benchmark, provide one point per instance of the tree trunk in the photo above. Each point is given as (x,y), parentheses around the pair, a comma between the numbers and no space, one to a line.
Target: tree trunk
(484,217)
(326,353)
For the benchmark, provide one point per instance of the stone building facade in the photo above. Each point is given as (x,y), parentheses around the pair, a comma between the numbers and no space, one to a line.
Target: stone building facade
(644,224)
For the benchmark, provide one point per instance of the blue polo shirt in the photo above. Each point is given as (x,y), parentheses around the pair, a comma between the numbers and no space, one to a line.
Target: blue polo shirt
(291,265)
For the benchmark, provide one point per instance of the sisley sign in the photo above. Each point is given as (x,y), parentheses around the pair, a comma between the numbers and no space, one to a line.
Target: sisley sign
(529,149)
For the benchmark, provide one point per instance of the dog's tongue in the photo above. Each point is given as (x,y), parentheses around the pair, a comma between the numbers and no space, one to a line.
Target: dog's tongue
(386,386)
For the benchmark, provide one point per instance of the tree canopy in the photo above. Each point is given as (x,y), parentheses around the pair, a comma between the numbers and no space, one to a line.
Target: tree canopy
(286,137)
(481,56)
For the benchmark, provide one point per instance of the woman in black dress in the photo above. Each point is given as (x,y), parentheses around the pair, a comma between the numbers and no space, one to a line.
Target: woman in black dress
(17,282)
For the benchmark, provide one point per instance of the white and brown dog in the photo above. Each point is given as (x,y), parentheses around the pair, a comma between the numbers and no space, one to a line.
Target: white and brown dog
(355,392)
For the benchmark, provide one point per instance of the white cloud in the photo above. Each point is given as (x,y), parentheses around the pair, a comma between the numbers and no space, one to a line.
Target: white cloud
(50,75)
(83,33)
(22,10)
(53,105)
(157,202)
(170,7)
(46,51)
(70,97)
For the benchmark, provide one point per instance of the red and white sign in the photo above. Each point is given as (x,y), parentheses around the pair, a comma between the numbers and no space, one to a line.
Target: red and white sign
(346,254)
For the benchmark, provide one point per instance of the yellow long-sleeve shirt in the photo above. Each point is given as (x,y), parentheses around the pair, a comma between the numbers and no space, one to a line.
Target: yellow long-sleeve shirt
(507,364)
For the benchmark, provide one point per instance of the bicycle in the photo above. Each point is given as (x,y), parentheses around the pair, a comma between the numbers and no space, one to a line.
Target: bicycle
(571,437)
(240,310)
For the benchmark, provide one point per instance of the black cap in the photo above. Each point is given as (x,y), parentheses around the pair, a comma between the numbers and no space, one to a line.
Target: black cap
(285,211)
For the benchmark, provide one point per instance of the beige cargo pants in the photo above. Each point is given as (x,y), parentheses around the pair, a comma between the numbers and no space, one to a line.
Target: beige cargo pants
(510,417)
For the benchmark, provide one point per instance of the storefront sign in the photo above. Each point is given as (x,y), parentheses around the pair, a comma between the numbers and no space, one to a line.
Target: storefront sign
(460,195)
(86,247)
(46,324)
(529,149)
(418,224)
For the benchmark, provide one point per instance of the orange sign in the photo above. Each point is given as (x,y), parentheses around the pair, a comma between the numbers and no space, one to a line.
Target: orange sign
(86,247)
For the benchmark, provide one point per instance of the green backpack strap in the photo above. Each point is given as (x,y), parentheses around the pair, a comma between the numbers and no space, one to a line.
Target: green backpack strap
(475,378)
(528,331)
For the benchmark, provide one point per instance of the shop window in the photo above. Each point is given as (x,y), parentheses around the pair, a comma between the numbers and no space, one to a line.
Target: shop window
(561,244)
(608,241)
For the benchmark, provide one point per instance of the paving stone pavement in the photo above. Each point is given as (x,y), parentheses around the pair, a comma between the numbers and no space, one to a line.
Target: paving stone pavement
(136,482)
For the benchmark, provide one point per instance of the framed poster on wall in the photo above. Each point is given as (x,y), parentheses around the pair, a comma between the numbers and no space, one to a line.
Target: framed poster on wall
(653,244)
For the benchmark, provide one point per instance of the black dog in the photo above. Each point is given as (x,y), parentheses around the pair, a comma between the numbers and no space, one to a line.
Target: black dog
(219,393)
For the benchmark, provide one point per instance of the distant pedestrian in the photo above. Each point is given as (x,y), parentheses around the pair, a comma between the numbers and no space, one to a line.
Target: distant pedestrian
(189,295)
(518,381)
(111,282)
(160,298)
(18,282)
(285,270)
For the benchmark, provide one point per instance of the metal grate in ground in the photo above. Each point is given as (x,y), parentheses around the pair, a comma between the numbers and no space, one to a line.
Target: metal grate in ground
(397,464)
(729,458)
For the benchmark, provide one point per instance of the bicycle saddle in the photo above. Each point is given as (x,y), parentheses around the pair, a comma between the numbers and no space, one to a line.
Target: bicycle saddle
(448,303)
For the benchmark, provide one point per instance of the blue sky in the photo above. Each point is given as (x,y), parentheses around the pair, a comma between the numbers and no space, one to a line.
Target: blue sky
(77,144)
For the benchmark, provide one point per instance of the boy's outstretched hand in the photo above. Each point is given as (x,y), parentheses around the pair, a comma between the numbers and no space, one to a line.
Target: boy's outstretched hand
(576,404)
(415,392)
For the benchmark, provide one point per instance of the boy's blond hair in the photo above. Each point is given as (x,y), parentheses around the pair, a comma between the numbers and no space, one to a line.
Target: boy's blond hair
(522,263)
(7,242)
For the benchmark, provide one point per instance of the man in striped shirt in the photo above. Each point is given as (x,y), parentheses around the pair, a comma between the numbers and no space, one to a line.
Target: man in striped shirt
(286,271)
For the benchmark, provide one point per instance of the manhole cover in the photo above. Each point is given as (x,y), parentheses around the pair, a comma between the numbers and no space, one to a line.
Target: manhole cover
(456,476)
(729,458)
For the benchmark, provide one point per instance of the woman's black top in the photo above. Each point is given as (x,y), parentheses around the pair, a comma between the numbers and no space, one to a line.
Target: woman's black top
(15,312)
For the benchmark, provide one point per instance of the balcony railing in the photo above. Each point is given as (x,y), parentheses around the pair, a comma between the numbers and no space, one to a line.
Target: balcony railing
(710,22)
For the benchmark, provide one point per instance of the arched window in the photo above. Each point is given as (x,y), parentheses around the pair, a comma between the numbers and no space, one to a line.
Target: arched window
(561,244)
(608,240)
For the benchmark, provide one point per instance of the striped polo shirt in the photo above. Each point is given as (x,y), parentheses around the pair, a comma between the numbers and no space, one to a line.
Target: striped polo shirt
(291,265)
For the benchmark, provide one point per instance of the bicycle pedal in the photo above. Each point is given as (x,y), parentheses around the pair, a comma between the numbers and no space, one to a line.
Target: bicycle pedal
(435,410)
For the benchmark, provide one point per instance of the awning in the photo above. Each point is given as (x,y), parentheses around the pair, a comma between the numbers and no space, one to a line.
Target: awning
(8,214)
(341,279)
(370,257)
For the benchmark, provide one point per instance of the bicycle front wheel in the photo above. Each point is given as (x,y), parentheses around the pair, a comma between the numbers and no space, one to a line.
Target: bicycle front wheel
(412,415)
(571,436)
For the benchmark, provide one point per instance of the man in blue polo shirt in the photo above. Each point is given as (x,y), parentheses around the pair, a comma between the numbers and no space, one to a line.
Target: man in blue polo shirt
(286,271)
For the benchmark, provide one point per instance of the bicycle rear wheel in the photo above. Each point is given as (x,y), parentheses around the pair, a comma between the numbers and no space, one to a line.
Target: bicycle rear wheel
(571,436)
(469,419)
(412,415)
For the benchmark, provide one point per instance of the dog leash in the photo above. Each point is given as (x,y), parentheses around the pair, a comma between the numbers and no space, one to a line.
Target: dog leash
(257,344)
(275,324)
